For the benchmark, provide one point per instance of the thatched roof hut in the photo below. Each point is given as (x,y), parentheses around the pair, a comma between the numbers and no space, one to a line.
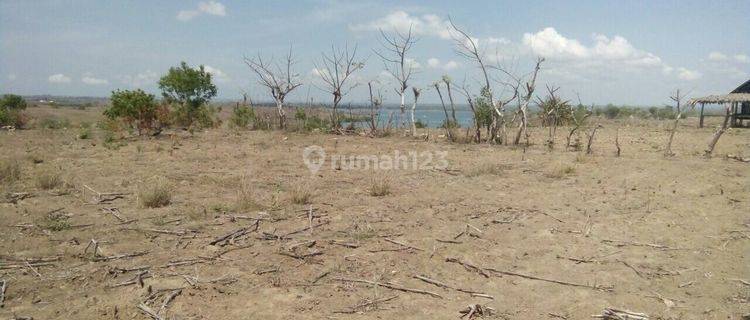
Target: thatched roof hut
(737,103)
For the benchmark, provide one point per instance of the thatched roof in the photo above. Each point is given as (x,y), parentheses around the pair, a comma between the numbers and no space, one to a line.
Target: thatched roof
(722,98)
(743,88)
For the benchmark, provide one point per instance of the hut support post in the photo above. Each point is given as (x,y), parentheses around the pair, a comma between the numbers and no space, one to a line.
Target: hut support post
(700,125)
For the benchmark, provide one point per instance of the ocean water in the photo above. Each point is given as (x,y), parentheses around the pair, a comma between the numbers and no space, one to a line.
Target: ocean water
(432,116)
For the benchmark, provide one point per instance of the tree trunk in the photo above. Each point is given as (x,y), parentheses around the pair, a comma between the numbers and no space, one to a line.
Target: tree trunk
(717,135)
(282,114)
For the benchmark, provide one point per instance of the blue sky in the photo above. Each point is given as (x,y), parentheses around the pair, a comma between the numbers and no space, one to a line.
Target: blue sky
(626,52)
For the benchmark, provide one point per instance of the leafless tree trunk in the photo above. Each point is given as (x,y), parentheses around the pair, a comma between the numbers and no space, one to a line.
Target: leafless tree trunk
(477,126)
(677,98)
(447,81)
(335,70)
(448,122)
(375,103)
(617,143)
(524,106)
(279,79)
(591,135)
(397,64)
(413,108)
(719,132)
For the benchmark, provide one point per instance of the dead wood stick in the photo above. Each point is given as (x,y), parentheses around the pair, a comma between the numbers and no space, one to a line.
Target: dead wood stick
(615,314)
(620,243)
(121,256)
(235,234)
(301,256)
(28,265)
(469,266)
(448,241)
(115,212)
(390,286)
(403,244)
(745,282)
(551,216)
(443,285)
(345,244)
(305,229)
(530,277)
(138,279)
(176,233)
(3,287)
(632,268)
(149,312)
(366,304)
(168,299)
(33,264)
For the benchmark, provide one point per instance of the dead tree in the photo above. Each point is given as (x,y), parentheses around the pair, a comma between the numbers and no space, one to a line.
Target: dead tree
(335,69)
(577,123)
(396,47)
(677,98)
(524,105)
(413,108)
(447,81)
(591,135)
(718,133)
(279,79)
(448,124)
(551,107)
(376,101)
(477,125)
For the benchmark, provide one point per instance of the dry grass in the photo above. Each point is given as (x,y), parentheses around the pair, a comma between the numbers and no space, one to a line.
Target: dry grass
(486,169)
(561,171)
(155,193)
(301,195)
(246,196)
(380,187)
(10,171)
(48,180)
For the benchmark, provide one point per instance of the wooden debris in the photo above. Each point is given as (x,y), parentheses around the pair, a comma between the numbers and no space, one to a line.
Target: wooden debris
(138,279)
(3,287)
(620,243)
(390,286)
(615,314)
(443,285)
(469,266)
(300,256)
(361,306)
(403,244)
(121,256)
(149,312)
(226,239)
(115,212)
(531,277)
(476,310)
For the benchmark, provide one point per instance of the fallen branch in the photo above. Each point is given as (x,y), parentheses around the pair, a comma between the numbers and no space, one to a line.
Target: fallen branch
(403,244)
(469,267)
(354,309)
(3,287)
(443,285)
(121,256)
(531,277)
(619,243)
(390,286)
(615,314)
(225,239)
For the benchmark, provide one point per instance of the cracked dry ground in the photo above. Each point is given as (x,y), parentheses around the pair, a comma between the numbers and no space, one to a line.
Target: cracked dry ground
(666,237)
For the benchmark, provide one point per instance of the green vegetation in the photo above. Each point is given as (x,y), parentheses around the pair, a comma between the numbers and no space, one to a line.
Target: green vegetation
(134,107)
(190,88)
(11,107)
(53,123)
(242,117)
(48,180)
(10,171)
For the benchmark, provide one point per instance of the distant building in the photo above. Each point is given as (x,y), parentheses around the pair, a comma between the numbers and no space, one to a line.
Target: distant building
(737,103)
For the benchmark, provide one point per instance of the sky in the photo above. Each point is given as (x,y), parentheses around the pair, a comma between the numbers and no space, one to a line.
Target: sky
(622,52)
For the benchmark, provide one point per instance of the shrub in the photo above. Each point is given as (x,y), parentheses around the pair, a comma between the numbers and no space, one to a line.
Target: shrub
(48,180)
(380,187)
(154,194)
(135,107)
(485,169)
(419,124)
(611,111)
(246,196)
(54,123)
(10,171)
(190,88)
(561,171)
(242,117)
(84,131)
(56,221)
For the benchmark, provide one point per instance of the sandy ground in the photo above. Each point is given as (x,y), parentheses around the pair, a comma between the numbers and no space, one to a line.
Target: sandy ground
(669,237)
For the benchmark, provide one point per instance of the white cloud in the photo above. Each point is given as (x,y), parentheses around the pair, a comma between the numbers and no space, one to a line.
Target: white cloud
(400,21)
(90,80)
(213,8)
(141,79)
(742,58)
(216,73)
(414,64)
(717,56)
(688,75)
(185,15)
(435,63)
(12,76)
(548,43)
(58,78)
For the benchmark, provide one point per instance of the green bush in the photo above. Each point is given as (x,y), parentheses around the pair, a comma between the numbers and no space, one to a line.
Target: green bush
(188,87)
(135,107)
(155,194)
(54,123)
(11,114)
(419,124)
(242,117)
(10,171)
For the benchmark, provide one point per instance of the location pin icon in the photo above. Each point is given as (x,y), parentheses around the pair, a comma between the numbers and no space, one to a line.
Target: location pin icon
(314,158)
